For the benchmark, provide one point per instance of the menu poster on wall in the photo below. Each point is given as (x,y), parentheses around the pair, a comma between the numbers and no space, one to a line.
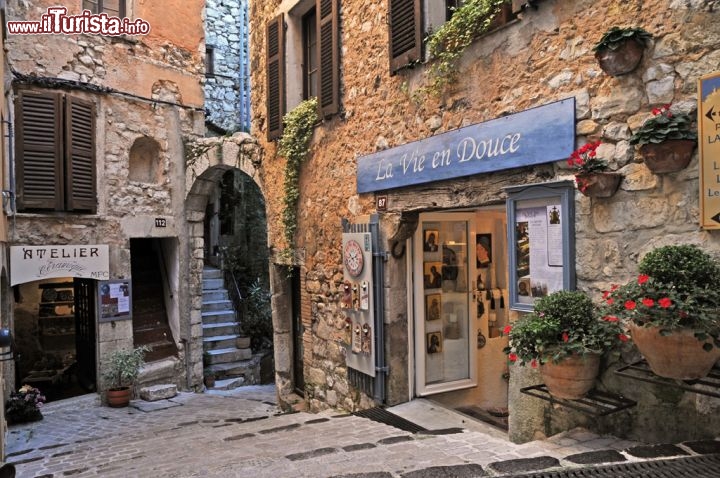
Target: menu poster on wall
(114,300)
(539,251)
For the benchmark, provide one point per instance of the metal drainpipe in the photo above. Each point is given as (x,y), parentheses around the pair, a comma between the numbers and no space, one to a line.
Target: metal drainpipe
(379,258)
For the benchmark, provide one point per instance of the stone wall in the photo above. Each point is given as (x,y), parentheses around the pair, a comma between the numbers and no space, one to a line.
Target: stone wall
(143,87)
(227,88)
(549,54)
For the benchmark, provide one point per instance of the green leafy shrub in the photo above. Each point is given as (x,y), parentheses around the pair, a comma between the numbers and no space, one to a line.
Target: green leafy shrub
(562,324)
(123,366)
(616,36)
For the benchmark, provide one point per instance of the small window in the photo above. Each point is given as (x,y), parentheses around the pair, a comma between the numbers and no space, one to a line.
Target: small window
(209,61)
(114,8)
(310,55)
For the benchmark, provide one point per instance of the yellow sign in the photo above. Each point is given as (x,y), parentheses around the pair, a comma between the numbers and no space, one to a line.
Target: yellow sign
(709,140)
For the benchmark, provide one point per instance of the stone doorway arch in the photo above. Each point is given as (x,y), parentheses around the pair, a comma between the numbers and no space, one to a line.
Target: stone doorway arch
(208,160)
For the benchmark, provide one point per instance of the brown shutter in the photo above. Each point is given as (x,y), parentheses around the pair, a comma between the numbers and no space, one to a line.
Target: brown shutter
(39,151)
(328,18)
(405,33)
(275,65)
(80,155)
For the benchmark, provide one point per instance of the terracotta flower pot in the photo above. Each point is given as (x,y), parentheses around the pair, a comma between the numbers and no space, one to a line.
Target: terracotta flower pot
(600,185)
(669,156)
(118,397)
(622,60)
(573,377)
(678,355)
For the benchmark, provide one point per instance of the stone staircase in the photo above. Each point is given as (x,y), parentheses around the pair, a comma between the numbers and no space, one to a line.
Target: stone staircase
(227,353)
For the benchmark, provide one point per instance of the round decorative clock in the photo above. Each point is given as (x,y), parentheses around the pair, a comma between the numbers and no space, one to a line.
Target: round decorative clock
(353,257)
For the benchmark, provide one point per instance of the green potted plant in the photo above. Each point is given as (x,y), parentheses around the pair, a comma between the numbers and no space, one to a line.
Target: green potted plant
(666,140)
(564,337)
(591,172)
(120,373)
(672,310)
(620,50)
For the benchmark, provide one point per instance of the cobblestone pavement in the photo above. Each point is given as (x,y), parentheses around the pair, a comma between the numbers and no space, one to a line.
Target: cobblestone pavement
(243,434)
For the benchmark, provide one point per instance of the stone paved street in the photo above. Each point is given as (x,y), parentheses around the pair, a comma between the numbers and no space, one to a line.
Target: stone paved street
(243,434)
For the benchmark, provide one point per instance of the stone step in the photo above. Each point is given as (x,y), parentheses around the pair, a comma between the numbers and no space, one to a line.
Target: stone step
(251,370)
(225,342)
(212,273)
(212,357)
(218,316)
(158,372)
(228,383)
(220,328)
(214,305)
(158,392)
(216,294)
(212,284)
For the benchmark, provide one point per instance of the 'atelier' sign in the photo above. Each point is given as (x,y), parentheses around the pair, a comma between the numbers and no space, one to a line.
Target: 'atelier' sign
(31,263)
(535,136)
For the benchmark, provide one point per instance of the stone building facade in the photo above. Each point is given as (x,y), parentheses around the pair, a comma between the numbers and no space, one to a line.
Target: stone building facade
(131,102)
(227,76)
(541,55)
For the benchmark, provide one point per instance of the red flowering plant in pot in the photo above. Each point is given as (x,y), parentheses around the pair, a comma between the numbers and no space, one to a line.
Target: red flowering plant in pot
(591,172)
(672,310)
(565,338)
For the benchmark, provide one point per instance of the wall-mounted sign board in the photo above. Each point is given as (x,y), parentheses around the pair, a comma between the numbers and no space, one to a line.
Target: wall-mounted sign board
(114,300)
(709,141)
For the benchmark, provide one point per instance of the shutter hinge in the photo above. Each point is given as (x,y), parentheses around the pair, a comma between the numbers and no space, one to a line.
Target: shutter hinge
(385,370)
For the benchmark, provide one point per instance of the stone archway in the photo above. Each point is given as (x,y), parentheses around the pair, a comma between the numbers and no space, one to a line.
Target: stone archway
(208,159)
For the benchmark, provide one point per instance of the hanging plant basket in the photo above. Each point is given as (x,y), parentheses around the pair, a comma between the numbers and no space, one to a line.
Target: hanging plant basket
(573,377)
(599,184)
(621,61)
(678,355)
(669,156)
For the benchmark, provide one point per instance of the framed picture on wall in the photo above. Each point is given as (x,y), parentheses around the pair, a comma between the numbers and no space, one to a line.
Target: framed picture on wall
(433,307)
(431,239)
(483,250)
(432,277)
(434,342)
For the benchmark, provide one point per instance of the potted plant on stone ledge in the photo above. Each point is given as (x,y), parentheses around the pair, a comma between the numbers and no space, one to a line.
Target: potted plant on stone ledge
(121,372)
(672,310)
(564,337)
(620,50)
(591,172)
(667,141)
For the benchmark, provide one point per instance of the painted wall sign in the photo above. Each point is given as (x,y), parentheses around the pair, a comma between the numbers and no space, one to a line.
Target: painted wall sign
(709,140)
(538,135)
(31,263)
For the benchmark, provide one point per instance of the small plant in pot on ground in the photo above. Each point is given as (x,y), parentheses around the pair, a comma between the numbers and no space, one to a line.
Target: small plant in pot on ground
(121,372)
(673,310)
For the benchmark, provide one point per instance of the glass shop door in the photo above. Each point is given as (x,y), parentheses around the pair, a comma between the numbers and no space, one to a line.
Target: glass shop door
(444,265)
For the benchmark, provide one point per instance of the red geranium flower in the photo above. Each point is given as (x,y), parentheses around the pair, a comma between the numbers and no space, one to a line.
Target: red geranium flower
(512,357)
(533,363)
(643,278)
(610,301)
(507,329)
(630,305)
(623,337)
(665,302)
(648,302)
(565,337)
(610,318)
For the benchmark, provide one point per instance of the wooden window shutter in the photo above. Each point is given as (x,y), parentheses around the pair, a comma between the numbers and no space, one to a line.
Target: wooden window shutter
(405,33)
(275,66)
(80,191)
(328,18)
(39,151)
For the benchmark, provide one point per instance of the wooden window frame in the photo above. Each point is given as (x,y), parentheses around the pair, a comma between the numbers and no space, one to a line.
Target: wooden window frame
(98,7)
(209,60)
(55,138)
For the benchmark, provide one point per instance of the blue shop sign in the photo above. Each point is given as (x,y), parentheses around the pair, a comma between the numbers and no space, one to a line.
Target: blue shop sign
(535,136)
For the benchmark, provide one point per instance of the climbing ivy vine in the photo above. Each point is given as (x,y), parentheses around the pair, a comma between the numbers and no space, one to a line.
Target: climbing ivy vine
(293,146)
(447,44)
